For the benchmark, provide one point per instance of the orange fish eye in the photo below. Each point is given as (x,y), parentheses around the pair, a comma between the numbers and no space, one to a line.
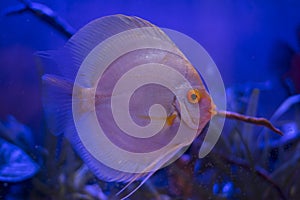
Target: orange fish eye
(193,96)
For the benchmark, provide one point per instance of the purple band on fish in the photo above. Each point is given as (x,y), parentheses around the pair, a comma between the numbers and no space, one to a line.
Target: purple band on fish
(141,100)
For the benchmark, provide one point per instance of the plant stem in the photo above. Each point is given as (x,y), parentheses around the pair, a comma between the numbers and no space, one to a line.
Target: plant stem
(253,120)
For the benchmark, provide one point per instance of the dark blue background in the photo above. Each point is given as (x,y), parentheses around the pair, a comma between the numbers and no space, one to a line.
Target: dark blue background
(242,37)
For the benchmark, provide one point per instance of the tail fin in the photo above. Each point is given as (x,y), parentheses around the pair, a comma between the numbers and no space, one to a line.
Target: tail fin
(57,102)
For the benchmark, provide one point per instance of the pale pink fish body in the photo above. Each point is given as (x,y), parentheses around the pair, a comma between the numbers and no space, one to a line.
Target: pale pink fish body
(75,94)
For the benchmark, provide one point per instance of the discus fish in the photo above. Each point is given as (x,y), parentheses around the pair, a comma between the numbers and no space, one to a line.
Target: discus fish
(126,98)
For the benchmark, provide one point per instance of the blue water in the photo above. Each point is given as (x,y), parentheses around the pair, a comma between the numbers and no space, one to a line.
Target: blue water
(255,45)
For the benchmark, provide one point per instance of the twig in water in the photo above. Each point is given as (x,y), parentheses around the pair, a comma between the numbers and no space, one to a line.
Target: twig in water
(253,120)
(44,13)
(257,170)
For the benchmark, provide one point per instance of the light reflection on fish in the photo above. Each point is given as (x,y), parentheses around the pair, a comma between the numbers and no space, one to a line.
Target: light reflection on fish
(79,101)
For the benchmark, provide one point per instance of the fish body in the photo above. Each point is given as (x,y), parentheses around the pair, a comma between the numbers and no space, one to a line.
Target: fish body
(126,98)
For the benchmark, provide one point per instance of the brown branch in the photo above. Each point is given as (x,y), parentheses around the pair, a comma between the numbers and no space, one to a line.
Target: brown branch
(248,119)
(43,12)
(262,173)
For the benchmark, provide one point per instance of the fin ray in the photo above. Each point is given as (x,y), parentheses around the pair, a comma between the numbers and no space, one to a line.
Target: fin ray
(57,102)
(158,163)
(81,44)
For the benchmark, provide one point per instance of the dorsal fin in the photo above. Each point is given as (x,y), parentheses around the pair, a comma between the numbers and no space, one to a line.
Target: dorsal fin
(71,56)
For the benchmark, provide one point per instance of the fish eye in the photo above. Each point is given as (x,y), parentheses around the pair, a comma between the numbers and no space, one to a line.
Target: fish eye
(193,96)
